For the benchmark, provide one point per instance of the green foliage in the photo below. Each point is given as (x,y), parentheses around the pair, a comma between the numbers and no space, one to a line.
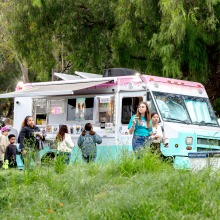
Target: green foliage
(104,191)
(178,39)
(60,165)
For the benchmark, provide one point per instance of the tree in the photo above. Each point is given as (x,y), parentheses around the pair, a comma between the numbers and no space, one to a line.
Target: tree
(178,38)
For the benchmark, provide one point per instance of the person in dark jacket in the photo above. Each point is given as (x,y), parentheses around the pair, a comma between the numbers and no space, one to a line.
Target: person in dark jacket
(30,136)
(87,143)
(11,151)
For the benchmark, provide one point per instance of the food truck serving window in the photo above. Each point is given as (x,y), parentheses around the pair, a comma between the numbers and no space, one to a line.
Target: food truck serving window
(105,111)
(129,108)
(40,111)
(80,109)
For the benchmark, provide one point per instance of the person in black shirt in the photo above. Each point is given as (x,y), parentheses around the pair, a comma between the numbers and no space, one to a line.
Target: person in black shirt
(11,151)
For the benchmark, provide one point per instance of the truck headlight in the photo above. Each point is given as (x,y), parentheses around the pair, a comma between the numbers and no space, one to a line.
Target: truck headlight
(189,140)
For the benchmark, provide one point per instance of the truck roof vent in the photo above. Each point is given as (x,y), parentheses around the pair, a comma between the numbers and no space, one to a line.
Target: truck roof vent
(120,72)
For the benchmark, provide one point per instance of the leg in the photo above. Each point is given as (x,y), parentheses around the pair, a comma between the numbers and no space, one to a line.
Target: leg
(138,145)
(85,158)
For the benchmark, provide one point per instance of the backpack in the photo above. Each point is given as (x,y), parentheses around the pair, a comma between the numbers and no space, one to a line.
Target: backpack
(88,146)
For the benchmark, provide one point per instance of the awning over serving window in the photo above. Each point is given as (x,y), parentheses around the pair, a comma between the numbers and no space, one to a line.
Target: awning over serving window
(58,88)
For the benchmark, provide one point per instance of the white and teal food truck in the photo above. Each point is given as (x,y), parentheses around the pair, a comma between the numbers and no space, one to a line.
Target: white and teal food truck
(110,100)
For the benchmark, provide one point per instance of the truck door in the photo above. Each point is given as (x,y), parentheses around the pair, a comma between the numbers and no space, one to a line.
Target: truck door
(128,103)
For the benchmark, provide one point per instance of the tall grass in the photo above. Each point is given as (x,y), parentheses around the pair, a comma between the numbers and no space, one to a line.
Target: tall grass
(132,188)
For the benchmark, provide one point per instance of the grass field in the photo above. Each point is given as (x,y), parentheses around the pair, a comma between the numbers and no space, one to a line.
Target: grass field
(128,189)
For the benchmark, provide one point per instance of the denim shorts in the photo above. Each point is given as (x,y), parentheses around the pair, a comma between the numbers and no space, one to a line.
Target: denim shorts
(140,142)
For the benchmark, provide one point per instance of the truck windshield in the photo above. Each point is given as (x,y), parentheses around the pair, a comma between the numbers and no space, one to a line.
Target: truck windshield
(185,109)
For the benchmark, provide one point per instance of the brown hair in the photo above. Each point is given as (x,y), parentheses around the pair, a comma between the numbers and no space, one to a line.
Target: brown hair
(61,134)
(24,123)
(88,127)
(147,114)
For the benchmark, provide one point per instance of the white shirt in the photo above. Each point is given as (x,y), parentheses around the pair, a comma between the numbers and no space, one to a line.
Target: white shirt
(66,145)
(162,136)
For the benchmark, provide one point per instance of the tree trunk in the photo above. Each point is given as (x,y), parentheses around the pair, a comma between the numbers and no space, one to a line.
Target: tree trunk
(24,70)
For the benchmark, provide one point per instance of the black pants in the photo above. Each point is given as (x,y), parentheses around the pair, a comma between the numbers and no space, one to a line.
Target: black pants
(89,158)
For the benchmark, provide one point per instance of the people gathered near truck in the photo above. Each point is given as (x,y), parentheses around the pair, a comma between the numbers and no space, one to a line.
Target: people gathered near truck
(145,127)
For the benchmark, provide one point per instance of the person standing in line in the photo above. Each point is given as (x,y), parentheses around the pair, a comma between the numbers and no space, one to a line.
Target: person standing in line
(11,151)
(157,136)
(87,143)
(140,126)
(65,143)
(30,135)
(12,130)
(3,144)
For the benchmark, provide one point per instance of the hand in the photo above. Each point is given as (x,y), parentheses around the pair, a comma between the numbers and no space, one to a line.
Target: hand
(133,123)
(166,145)
(23,152)
(157,136)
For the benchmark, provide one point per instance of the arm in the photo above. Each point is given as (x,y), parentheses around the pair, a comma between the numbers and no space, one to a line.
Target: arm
(79,142)
(42,137)
(6,153)
(98,139)
(4,143)
(165,140)
(22,136)
(131,125)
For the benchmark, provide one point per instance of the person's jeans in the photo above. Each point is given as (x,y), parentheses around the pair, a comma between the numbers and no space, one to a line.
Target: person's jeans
(140,142)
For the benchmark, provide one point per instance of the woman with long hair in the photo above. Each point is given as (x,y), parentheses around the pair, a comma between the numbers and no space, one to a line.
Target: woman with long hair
(30,137)
(140,126)
(65,143)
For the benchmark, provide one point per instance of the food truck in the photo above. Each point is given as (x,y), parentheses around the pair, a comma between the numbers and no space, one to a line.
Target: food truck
(109,100)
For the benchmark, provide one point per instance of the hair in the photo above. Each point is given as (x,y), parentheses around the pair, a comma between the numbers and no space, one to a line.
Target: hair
(7,121)
(88,127)
(61,134)
(10,136)
(147,114)
(24,123)
(154,113)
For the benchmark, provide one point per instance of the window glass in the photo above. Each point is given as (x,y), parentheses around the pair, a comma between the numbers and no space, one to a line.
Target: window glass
(80,109)
(185,109)
(41,111)
(129,108)
(105,112)
(172,107)
(56,107)
(151,103)
(200,111)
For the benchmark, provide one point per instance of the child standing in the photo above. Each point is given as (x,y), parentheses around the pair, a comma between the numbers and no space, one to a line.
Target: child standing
(87,143)
(157,136)
(3,144)
(11,151)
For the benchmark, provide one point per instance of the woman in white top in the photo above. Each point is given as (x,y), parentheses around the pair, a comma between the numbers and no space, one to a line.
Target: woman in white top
(157,135)
(64,143)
